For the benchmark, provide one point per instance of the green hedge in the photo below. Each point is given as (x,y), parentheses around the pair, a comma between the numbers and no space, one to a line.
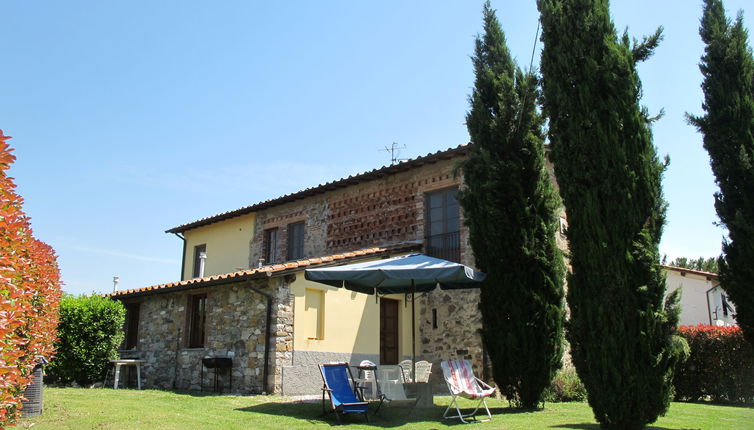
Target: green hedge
(90,332)
(565,387)
(720,367)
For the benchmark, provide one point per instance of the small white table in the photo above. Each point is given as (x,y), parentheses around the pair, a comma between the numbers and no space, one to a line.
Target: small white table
(119,363)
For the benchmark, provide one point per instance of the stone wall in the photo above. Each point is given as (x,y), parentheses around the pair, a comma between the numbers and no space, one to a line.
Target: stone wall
(235,327)
(302,376)
(458,332)
(312,211)
(282,333)
(379,212)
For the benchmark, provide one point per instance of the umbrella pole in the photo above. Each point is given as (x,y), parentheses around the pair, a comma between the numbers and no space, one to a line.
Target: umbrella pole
(413,330)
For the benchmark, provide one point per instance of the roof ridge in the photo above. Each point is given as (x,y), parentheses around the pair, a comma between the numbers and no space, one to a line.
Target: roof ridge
(686,269)
(337,183)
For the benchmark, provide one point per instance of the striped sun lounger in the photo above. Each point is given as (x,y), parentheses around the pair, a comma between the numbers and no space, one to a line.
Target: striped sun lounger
(459,376)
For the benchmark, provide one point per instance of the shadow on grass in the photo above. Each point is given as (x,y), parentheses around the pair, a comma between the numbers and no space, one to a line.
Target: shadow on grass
(388,416)
(717,403)
(200,393)
(190,393)
(593,426)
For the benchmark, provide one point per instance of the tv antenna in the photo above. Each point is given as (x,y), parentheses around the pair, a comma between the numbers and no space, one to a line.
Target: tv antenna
(394,151)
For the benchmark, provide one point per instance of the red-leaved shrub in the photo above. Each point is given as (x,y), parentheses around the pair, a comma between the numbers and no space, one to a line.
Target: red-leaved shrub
(29,295)
(720,367)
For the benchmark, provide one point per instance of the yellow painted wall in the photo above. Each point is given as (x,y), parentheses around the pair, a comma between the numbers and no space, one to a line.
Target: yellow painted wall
(350,321)
(227,245)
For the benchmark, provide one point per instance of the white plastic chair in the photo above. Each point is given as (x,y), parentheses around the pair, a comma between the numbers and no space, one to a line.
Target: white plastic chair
(367,379)
(423,370)
(390,382)
(407,370)
(459,376)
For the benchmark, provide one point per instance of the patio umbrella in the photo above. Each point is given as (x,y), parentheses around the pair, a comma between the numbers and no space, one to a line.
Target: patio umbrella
(407,274)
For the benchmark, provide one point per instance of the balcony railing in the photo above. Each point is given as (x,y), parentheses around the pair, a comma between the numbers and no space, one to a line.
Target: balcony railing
(446,246)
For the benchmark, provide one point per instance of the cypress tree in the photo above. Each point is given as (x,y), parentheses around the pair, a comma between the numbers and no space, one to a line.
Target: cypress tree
(728,128)
(510,208)
(623,340)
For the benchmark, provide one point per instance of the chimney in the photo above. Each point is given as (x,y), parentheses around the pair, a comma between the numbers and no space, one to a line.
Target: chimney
(116,281)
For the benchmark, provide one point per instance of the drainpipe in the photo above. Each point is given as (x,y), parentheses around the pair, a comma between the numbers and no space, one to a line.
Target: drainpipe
(265,371)
(709,312)
(183,256)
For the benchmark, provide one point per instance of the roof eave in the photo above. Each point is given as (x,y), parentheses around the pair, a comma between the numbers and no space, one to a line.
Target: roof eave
(190,286)
(323,188)
(266,272)
(692,271)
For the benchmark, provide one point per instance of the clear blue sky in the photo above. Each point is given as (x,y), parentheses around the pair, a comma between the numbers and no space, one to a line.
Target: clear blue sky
(132,117)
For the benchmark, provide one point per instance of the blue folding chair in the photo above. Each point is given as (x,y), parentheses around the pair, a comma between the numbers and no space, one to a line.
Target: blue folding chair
(344,398)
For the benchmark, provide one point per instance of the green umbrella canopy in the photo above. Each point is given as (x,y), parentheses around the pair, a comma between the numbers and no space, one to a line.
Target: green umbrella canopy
(398,275)
(407,274)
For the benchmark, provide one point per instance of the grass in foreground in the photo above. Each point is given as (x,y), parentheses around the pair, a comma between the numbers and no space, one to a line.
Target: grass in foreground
(81,408)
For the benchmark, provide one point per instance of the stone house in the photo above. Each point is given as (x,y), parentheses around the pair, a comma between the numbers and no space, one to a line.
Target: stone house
(243,295)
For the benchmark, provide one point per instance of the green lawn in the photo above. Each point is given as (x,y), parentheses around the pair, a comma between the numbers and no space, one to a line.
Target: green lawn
(80,408)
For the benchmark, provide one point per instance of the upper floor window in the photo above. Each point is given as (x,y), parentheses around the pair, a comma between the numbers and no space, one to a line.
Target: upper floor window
(443,235)
(271,246)
(197,317)
(295,241)
(200,258)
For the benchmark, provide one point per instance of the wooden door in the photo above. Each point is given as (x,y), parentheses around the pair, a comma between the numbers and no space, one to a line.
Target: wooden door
(389,331)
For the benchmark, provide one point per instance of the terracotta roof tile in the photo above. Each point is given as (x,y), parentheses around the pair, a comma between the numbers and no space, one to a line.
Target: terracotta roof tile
(696,272)
(258,272)
(328,186)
